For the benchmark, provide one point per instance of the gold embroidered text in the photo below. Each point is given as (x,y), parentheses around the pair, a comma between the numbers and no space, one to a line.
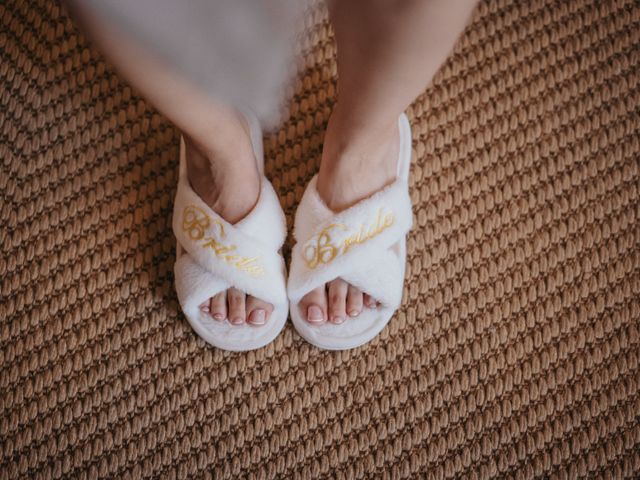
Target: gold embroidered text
(195,222)
(323,249)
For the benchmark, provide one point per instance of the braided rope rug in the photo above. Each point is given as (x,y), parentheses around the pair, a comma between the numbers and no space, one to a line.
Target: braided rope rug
(515,352)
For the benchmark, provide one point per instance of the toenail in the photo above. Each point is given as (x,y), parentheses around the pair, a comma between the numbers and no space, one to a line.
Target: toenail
(314,314)
(337,319)
(205,309)
(218,316)
(237,320)
(258,317)
(354,313)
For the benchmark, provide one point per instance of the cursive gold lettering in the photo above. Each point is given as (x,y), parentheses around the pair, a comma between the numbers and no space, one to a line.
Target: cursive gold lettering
(323,249)
(195,222)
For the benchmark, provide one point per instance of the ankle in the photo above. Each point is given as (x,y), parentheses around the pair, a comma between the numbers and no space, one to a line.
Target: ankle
(357,160)
(225,133)
(350,129)
(352,143)
(237,198)
(228,183)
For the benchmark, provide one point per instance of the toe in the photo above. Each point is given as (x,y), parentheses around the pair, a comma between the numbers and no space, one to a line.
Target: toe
(337,300)
(236,306)
(258,312)
(354,301)
(314,306)
(369,301)
(218,306)
(204,307)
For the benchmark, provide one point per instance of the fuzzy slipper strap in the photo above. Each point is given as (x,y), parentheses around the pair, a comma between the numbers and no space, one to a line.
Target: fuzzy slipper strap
(240,258)
(355,244)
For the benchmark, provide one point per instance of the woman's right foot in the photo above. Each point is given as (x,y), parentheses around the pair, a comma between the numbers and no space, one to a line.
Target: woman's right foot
(225,175)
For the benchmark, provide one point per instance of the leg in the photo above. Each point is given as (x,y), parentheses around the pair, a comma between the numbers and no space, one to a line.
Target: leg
(221,165)
(388,52)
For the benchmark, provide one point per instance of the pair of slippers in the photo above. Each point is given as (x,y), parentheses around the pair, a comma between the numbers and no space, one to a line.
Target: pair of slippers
(364,245)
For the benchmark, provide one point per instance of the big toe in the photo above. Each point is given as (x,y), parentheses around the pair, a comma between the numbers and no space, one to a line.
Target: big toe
(258,311)
(313,306)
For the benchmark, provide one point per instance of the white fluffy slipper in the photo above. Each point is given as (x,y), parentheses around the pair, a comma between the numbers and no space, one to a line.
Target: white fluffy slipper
(364,245)
(213,255)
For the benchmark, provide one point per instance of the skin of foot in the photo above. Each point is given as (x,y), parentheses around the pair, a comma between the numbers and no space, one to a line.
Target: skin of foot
(357,161)
(225,175)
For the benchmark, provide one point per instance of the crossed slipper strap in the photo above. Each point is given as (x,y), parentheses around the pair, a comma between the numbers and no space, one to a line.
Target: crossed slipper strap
(243,255)
(354,244)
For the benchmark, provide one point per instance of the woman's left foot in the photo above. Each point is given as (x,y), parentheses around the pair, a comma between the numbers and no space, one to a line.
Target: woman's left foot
(355,164)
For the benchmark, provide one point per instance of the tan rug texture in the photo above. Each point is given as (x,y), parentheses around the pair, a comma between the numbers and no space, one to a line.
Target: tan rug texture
(515,353)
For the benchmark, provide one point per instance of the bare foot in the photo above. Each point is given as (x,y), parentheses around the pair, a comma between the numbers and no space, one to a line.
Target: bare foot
(225,175)
(356,162)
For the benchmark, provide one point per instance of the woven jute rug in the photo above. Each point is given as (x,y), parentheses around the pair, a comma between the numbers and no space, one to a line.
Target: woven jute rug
(516,350)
